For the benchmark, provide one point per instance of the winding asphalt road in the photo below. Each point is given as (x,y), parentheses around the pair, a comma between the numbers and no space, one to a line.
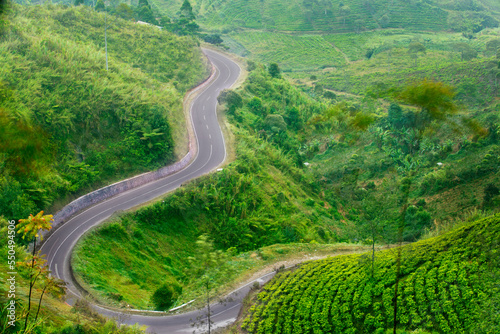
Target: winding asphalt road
(211,153)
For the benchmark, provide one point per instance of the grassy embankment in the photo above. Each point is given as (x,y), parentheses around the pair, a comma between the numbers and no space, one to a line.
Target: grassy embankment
(448,284)
(92,126)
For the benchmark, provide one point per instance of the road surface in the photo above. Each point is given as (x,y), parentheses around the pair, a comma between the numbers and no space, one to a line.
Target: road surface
(210,154)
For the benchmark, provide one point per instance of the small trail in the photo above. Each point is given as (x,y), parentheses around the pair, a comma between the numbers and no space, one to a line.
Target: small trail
(347,60)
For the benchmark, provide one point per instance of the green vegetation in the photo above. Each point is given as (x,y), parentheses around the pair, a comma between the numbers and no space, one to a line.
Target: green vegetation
(54,316)
(356,149)
(348,193)
(338,16)
(444,286)
(293,53)
(259,200)
(68,125)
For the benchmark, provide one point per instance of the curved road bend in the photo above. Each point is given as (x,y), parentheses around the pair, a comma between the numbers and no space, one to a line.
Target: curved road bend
(211,153)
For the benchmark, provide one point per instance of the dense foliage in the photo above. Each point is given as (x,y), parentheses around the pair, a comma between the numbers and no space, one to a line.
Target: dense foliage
(70,125)
(444,286)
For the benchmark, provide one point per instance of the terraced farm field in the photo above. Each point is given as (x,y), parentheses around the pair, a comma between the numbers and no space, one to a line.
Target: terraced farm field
(355,45)
(298,53)
(444,281)
(307,15)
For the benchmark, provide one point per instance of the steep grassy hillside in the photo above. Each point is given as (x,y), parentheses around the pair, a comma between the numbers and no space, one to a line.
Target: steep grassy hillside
(445,286)
(91,126)
(338,16)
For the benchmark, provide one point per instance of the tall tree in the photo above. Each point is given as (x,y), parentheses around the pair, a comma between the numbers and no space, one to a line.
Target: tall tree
(100,6)
(274,70)
(186,11)
(435,103)
(414,49)
(433,98)
(466,52)
(145,12)
(3,12)
(208,265)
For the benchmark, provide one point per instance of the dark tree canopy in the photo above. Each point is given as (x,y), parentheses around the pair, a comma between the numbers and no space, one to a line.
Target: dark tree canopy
(144,3)
(100,7)
(274,70)
(187,11)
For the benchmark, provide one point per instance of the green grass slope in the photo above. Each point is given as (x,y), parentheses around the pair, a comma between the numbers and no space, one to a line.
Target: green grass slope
(447,285)
(93,126)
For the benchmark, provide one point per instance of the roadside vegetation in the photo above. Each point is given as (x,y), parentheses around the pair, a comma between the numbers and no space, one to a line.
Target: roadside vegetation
(68,125)
(49,313)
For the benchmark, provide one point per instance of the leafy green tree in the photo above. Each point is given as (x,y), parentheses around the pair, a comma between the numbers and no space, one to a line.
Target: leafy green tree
(493,47)
(186,11)
(185,24)
(3,15)
(274,70)
(232,99)
(143,3)
(294,119)
(124,11)
(208,266)
(466,52)
(275,123)
(384,21)
(255,105)
(213,39)
(344,11)
(375,221)
(369,53)
(145,13)
(435,103)
(164,297)
(433,98)
(490,192)
(414,49)
(100,7)
(79,2)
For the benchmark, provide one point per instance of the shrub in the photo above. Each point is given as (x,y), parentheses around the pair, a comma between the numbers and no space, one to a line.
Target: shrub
(164,297)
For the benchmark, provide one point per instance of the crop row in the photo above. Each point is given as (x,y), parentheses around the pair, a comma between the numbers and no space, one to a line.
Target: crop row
(440,289)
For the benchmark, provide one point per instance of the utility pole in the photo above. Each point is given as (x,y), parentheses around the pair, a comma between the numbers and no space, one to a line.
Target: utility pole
(106,37)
